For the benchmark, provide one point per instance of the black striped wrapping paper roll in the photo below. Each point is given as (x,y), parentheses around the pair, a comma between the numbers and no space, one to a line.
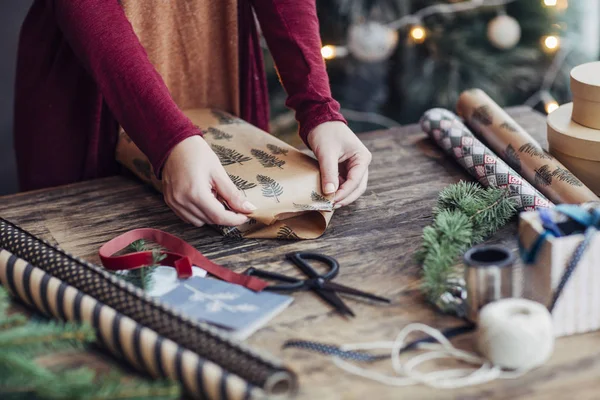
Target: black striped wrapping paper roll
(141,347)
(207,342)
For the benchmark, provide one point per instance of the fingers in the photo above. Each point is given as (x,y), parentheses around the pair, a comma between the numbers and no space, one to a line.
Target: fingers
(358,167)
(352,197)
(230,193)
(216,212)
(201,207)
(329,173)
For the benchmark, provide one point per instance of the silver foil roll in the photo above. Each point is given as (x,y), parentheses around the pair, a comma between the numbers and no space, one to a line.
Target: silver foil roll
(489,273)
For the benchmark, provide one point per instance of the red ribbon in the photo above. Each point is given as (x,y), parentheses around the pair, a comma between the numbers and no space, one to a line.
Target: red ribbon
(180,255)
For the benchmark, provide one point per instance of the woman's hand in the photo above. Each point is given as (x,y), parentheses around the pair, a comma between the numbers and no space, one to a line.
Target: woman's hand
(191,176)
(343,159)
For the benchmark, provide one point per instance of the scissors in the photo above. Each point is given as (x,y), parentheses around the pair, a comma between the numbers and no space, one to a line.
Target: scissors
(319,283)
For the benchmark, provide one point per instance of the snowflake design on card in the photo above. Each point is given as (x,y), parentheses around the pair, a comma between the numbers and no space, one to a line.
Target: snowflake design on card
(218,301)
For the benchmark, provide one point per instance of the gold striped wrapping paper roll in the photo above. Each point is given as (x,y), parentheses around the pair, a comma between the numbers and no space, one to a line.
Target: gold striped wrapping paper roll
(141,347)
(256,368)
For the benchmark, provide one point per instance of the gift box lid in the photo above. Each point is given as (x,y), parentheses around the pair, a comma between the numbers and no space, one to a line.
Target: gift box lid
(585,81)
(571,138)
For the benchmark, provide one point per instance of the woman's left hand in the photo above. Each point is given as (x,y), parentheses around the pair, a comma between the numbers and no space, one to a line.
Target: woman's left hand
(343,159)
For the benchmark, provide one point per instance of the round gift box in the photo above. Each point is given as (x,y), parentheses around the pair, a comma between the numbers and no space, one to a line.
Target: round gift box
(585,87)
(587,171)
(571,138)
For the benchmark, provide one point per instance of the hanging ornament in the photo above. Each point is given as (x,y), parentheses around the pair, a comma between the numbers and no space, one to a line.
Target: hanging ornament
(371,41)
(504,32)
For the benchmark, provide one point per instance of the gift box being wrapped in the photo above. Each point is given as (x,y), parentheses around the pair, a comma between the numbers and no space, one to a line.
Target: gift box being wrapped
(560,248)
(281,181)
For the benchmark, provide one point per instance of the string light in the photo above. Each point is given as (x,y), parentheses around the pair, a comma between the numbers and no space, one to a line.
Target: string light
(551,43)
(550,104)
(330,52)
(550,3)
(418,34)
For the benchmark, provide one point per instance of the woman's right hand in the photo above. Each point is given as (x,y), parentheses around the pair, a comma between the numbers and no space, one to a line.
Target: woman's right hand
(191,176)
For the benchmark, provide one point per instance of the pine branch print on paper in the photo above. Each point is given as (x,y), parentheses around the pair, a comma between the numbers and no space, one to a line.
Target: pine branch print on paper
(218,134)
(512,158)
(277,150)
(543,176)
(270,187)
(285,232)
(482,116)
(229,156)
(225,119)
(564,175)
(230,232)
(508,126)
(241,184)
(535,151)
(323,204)
(267,160)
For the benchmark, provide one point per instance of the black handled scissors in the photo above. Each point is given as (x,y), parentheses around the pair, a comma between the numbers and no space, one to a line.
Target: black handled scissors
(319,283)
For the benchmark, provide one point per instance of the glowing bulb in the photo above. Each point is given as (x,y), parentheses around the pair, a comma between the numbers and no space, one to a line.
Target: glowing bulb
(550,3)
(551,42)
(328,52)
(418,34)
(551,106)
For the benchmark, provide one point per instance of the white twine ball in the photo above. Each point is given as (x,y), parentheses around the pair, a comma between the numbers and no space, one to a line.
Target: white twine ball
(515,333)
(504,32)
(371,41)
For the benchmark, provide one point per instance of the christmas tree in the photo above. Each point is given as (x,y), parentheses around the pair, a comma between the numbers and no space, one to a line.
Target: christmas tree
(401,57)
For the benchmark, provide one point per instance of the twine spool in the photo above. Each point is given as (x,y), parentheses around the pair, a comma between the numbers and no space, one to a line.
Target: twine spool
(513,337)
(515,334)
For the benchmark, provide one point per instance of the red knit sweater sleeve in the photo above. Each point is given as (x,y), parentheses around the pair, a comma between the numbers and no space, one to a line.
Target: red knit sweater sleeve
(291,29)
(104,41)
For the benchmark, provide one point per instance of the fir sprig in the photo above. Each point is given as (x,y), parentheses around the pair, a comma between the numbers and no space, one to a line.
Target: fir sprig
(465,214)
(22,376)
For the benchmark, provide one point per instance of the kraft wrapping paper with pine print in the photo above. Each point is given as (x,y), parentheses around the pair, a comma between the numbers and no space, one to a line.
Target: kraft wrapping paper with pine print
(140,346)
(258,369)
(522,152)
(455,139)
(281,181)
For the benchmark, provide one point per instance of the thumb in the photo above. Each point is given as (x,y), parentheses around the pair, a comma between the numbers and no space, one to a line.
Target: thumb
(329,173)
(230,193)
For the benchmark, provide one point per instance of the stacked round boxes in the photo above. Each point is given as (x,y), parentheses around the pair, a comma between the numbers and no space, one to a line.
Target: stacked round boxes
(574,128)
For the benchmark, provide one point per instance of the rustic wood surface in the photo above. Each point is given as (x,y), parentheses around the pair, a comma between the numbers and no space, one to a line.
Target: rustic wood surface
(374,240)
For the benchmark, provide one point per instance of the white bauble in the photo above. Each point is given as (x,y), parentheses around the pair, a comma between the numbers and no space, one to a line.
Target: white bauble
(371,41)
(504,32)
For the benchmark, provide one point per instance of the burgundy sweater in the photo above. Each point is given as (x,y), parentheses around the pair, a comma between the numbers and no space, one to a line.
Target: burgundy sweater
(82,71)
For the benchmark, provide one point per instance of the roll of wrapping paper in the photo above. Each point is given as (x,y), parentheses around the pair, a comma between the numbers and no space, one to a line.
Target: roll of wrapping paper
(208,343)
(522,152)
(455,139)
(141,347)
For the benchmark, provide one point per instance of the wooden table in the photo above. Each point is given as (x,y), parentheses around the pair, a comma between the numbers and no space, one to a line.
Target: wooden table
(374,240)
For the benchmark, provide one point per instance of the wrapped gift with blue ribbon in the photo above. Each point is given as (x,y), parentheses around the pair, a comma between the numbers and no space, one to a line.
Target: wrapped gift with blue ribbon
(560,250)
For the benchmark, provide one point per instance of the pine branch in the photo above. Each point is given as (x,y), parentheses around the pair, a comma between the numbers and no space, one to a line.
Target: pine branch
(33,338)
(277,150)
(229,156)
(285,232)
(270,187)
(267,160)
(218,134)
(225,119)
(241,183)
(465,214)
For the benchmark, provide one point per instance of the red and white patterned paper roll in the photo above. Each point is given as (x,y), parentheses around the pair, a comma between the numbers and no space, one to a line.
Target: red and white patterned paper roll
(448,131)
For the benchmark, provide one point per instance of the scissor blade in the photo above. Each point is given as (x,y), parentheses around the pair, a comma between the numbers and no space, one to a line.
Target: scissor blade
(333,299)
(331,286)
